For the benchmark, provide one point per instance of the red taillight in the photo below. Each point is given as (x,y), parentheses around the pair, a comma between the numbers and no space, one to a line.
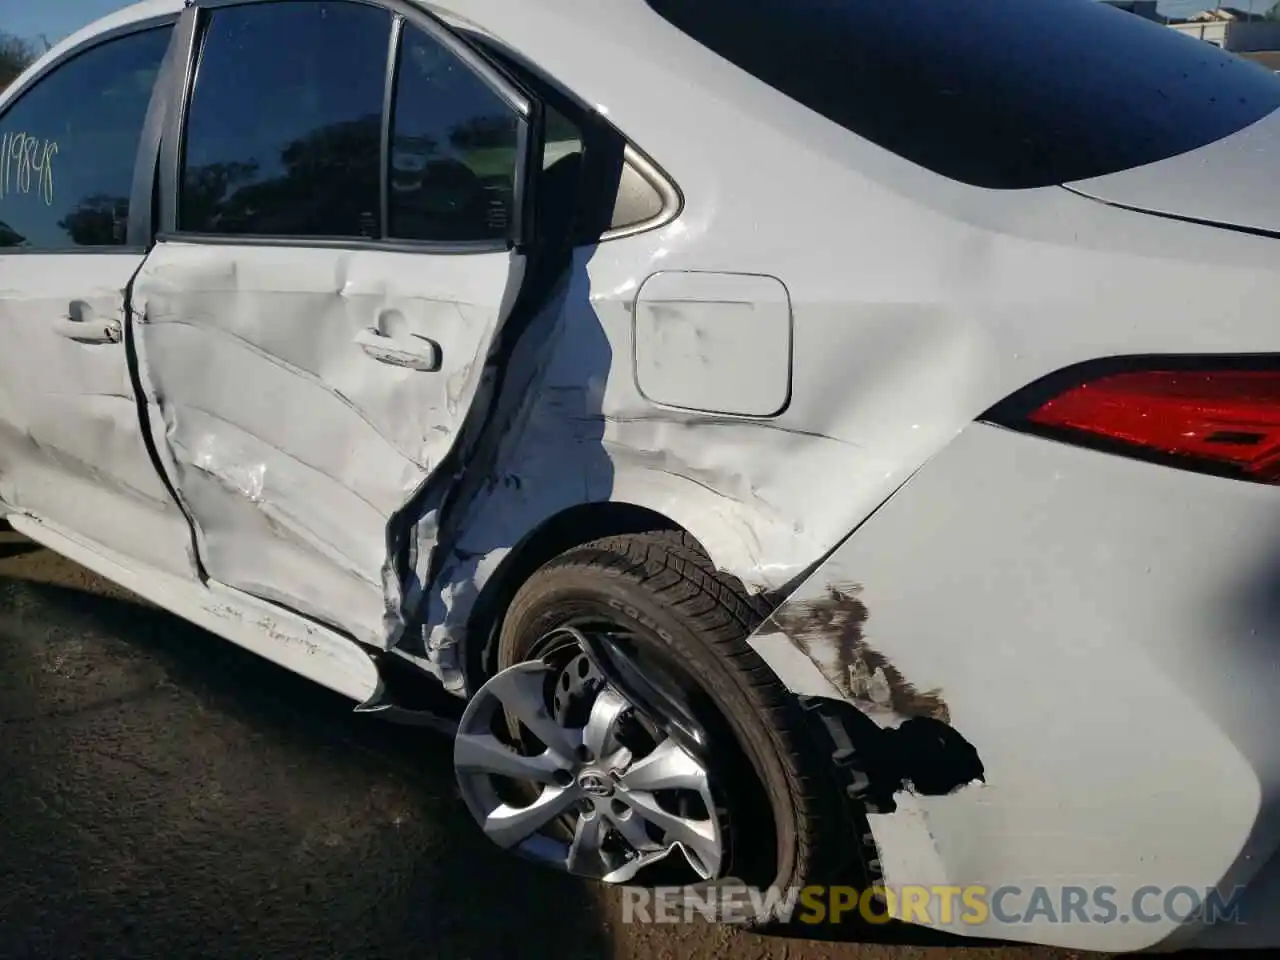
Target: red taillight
(1225,419)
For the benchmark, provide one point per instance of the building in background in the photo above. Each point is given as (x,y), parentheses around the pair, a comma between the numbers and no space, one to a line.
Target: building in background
(1231,29)
(1254,36)
(1142,8)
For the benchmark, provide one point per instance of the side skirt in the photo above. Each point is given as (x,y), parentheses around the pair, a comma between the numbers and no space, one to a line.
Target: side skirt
(262,628)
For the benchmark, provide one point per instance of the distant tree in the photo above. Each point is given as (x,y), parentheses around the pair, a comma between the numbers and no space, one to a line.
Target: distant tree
(97,221)
(205,189)
(10,237)
(328,177)
(16,55)
(1273,13)
(483,132)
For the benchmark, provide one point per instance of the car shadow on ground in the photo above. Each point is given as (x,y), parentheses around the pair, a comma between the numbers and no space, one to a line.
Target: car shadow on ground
(12,545)
(167,793)
(8,550)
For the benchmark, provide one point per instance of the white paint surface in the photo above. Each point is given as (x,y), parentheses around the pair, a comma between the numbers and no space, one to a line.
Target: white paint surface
(714,342)
(71,444)
(1101,631)
(1193,184)
(292,446)
(261,628)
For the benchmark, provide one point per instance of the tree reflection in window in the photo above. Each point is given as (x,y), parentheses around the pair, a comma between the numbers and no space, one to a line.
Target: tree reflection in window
(284,129)
(80,125)
(454,147)
(329,187)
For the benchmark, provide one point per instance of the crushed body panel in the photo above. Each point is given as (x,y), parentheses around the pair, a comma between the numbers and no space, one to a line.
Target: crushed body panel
(292,446)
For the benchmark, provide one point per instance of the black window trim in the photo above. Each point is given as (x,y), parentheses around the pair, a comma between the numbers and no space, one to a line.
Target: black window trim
(137,244)
(190,35)
(389,80)
(672,197)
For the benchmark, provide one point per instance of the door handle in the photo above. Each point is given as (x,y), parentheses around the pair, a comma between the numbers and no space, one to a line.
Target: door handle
(411,352)
(83,326)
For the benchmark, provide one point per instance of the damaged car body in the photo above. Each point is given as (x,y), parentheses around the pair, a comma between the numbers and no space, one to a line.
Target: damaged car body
(889,473)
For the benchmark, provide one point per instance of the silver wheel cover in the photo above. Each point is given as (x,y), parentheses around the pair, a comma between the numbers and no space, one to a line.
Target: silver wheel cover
(585,777)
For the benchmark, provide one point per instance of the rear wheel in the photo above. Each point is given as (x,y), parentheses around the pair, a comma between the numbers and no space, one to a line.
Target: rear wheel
(632,735)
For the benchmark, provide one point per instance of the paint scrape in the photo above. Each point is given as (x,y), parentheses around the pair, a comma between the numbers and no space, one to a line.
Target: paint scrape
(887,735)
(830,630)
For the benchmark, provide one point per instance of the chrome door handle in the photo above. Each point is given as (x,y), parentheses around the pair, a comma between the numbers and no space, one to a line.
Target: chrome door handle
(83,326)
(411,352)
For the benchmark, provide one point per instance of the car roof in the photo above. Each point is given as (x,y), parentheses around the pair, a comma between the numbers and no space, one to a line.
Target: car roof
(134,13)
(453,12)
(590,18)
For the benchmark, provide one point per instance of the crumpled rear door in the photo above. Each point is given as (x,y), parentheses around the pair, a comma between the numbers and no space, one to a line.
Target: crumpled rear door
(314,326)
(303,397)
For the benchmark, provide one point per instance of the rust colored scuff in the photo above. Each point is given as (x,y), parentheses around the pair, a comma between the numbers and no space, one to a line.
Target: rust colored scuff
(830,630)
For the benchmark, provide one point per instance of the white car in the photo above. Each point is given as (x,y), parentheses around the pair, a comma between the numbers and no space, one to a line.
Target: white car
(817,442)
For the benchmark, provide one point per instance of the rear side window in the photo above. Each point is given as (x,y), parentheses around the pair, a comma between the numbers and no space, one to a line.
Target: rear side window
(69,143)
(1003,94)
(455,144)
(284,128)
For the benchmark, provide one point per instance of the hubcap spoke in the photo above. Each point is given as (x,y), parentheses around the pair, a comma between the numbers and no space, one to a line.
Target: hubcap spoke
(602,722)
(521,692)
(507,826)
(485,753)
(584,852)
(697,836)
(668,767)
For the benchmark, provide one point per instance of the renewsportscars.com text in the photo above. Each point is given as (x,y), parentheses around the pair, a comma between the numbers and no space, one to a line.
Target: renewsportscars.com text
(931,906)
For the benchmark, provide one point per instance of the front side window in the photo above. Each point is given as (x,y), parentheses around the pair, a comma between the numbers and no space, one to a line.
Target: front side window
(454,148)
(1003,94)
(69,144)
(284,128)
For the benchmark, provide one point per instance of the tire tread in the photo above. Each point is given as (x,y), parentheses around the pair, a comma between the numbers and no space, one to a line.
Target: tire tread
(672,567)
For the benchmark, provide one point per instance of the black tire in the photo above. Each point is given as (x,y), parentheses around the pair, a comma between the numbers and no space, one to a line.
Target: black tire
(662,587)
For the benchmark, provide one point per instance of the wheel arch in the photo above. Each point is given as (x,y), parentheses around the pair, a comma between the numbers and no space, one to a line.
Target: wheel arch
(571,527)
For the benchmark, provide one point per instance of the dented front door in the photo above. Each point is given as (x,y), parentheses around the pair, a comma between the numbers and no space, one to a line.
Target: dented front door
(72,451)
(308,373)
